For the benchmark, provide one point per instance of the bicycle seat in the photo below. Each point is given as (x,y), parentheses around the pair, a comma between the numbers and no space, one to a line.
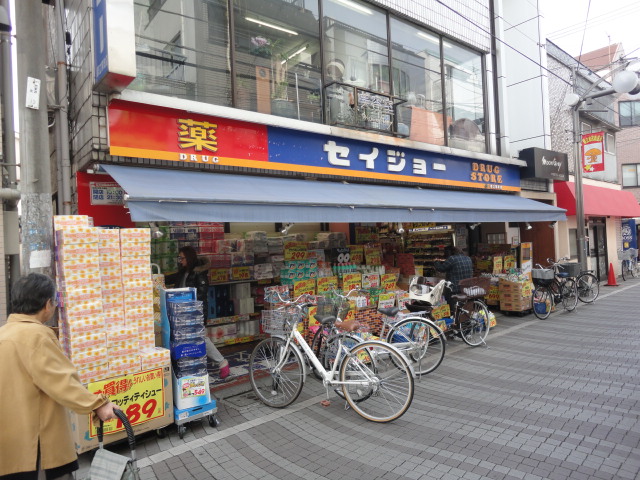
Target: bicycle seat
(562,274)
(326,320)
(349,325)
(389,311)
(418,306)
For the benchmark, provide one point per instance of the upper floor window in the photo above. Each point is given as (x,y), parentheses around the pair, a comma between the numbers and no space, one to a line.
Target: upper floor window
(631,175)
(610,143)
(357,66)
(629,113)
(585,128)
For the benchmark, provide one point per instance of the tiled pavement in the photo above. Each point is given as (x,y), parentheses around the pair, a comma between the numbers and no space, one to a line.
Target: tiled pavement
(554,399)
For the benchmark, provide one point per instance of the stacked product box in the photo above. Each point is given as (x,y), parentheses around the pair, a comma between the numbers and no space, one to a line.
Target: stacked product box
(105,299)
(188,349)
(81,319)
(243,302)
(137,285)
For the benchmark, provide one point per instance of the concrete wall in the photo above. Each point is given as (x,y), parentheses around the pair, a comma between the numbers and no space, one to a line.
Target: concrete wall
(526,77)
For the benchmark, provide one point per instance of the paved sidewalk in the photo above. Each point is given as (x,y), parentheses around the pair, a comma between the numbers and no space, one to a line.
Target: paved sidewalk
(553,399)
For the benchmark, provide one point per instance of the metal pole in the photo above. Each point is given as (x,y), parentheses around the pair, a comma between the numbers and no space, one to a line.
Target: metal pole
(62,119)
(580,228)
(35,172)
(9,153)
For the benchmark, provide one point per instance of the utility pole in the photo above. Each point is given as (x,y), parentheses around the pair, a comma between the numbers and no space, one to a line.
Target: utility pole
(35,172)
(577,172)
(9,193)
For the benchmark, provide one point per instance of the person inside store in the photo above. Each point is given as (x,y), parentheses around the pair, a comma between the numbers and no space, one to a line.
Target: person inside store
(457,266)
(193,272)
(38,384)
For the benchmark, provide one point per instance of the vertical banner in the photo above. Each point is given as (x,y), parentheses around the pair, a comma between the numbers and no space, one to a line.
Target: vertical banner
(593,152)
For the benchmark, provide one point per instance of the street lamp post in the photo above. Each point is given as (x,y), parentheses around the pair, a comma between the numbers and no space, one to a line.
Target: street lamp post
(625,82)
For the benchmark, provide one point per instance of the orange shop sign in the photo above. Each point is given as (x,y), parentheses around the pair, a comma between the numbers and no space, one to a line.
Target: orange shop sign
(145,131)
(593,152)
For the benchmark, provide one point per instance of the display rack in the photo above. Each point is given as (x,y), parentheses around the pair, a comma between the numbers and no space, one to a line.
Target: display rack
(426,244)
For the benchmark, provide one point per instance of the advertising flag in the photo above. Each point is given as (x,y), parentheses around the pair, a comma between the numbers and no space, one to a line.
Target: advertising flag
(593,152)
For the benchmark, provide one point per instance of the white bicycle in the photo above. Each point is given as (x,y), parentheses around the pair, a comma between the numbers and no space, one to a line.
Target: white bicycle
(375,378)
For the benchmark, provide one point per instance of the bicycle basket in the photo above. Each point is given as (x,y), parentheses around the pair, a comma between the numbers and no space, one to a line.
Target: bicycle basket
(332,306)
(475,286)
(542,276)
(281,321)
(628,254)
(571,269)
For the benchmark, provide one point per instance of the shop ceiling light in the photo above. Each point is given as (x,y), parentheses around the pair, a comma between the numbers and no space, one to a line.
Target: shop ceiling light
(297,52)
(270,25)
(553,224)
(399,229)
(355,6)
(528,226)
(473,226)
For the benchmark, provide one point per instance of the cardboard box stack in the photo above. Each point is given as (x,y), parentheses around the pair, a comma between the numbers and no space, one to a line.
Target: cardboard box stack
(135,250)
(515,296)
(106,299)
(81,318)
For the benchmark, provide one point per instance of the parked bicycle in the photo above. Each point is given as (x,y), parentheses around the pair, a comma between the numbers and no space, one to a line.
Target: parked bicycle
(554,285)
(420,339)
(376,379)
(470,314)
(630,267)
(588,286)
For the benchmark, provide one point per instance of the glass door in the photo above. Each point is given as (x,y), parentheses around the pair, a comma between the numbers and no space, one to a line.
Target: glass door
(598,250)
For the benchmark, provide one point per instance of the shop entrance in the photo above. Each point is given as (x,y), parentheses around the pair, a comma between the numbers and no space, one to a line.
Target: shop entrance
(542,237)
(598,247)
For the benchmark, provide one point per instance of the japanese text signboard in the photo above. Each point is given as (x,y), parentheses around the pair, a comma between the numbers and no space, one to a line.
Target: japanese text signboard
(106,193)
(139,395)
(144,131)
(593,152)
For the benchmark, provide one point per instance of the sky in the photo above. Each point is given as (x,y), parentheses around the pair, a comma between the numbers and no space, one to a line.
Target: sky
(606,22)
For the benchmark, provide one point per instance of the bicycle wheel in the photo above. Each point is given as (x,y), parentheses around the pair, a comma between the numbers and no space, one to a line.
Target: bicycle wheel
(588,287)
(542,302)
(634,268)
(474,324)
(421,342)
(318,346)
(277,375)
(383,376)
(331,350)
(569,295)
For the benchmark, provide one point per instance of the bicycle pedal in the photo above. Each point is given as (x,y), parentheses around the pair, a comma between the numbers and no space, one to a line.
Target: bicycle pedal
(325,403)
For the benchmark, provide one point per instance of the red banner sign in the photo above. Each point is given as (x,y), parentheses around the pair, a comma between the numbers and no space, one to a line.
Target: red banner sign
(593,152)
(145,131)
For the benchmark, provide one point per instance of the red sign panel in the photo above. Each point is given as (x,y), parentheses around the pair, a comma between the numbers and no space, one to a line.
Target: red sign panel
(145,131)
(100,197)
(593,152)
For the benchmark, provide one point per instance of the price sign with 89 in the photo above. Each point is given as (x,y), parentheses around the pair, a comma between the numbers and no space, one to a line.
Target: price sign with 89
(140,396)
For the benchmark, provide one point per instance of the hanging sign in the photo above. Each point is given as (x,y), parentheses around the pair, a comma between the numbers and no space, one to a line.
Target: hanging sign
(106,193)
(593,152)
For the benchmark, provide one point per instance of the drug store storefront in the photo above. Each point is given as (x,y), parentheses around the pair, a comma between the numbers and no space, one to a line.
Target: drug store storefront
(178,166)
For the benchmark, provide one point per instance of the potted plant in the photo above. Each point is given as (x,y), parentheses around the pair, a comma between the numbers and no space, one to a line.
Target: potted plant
(280,103)
(260,47)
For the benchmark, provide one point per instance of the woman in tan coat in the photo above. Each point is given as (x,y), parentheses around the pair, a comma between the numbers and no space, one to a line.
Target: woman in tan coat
(37,384)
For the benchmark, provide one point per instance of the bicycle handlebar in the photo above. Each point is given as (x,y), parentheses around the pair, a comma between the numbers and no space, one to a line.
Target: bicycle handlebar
(344,297)
(305,297)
